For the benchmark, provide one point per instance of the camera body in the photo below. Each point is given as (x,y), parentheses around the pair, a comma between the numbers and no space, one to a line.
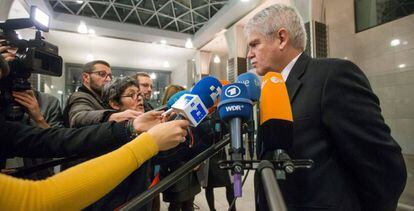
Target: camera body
(32,56)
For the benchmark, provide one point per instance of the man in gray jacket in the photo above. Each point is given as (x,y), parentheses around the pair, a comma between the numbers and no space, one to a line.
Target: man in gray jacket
(85,107)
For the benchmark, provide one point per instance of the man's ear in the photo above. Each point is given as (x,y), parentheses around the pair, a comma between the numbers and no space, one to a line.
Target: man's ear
(283,38)
(114,105)
(86,77)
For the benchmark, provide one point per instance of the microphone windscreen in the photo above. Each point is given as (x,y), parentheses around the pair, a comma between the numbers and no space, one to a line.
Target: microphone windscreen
(276,123)
(274,99)
(175,97)
(224,82)
(235,102)
(208,89)
(252,83)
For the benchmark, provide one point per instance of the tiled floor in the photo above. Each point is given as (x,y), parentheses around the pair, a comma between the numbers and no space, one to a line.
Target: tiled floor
(246,203)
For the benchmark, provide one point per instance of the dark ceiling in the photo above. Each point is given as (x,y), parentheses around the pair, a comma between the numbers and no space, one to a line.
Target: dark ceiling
(186,16)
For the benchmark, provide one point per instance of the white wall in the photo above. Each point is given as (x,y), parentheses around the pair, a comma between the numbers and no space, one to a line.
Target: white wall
(372,52)
(74,48)
(219,70)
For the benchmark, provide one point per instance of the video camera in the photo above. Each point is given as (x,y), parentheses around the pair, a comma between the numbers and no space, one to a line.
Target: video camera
(32,56)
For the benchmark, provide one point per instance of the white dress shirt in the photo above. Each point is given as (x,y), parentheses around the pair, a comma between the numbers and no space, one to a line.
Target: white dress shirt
(285,72)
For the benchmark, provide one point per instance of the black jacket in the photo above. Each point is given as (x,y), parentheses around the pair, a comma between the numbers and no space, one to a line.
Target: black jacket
(21,140)
(338,124)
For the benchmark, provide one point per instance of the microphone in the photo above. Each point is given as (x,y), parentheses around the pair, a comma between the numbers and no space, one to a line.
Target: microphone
(235,106)
(172,100)
(208,89)
(194,106)
(276,122)
(175,97)
(214,107)
(252,83)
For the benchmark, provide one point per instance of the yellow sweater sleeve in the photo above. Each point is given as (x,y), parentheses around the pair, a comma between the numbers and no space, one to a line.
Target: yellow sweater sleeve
(79,186)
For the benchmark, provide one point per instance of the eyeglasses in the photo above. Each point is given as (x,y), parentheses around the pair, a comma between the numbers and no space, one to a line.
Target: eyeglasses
(134,96)
(102,74)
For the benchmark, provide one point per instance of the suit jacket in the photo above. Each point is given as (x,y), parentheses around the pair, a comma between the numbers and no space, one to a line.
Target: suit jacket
(84,108)
(338,124)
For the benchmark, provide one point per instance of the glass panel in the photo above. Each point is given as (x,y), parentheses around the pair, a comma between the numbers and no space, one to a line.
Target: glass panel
(371,13)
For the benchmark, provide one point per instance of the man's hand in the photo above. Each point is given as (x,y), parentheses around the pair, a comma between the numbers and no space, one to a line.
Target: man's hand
(27,99)
(125,115)
(8,53)
(147,120)
(170,134)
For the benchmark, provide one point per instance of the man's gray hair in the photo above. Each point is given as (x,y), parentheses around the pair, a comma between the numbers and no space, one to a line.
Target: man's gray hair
(268,21)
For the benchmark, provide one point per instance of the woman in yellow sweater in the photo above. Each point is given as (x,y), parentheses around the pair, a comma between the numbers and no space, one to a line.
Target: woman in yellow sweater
(85,183)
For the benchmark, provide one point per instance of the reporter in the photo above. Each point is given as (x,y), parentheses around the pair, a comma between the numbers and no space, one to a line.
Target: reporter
(81,185)
(122,94)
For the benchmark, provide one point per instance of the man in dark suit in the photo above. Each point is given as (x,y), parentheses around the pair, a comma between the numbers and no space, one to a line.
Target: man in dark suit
(337,123)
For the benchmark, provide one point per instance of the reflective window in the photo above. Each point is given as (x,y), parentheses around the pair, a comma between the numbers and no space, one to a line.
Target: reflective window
(371,13)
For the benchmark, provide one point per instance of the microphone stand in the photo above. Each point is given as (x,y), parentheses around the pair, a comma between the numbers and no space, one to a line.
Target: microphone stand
(280,164)
(237,154)
(274,197)
(171,179)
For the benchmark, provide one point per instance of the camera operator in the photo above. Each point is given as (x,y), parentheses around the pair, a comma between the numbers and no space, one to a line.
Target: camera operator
(43,110)
(67,190)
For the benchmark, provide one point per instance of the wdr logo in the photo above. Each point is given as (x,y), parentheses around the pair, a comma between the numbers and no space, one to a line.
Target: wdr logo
(234,108)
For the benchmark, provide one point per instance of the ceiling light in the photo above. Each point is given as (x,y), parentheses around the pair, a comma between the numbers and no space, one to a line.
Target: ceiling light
(79,2)
(216,59)
(244,0)
(82,28)
(401,65)
(395,42)
(193,59)
(153,76)
(51,86)
(189,43)
(90,57)
(163,42)
(405,43)
(345,57)
(60,92)
(166,64)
